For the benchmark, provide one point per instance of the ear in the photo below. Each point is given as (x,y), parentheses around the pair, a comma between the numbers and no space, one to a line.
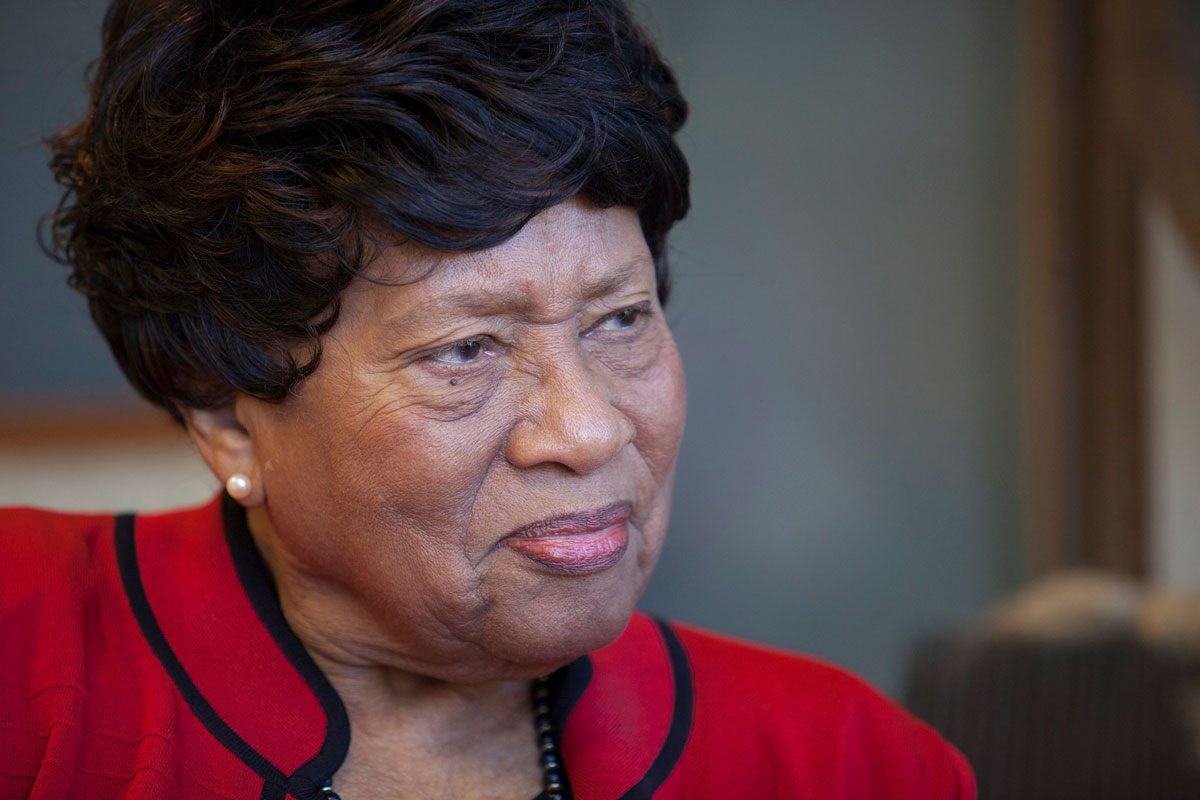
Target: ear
(227,447)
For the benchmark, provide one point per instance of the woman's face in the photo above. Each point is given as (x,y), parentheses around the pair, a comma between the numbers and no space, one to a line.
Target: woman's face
(533,382)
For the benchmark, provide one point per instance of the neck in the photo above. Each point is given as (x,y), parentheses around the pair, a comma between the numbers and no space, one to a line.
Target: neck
(363,670)
(411,734)
(380,696)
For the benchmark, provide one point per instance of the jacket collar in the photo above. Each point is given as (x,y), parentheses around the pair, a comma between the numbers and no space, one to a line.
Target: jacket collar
(207,606)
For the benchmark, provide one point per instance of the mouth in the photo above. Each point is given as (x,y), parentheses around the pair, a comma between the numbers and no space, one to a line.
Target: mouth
(576,544)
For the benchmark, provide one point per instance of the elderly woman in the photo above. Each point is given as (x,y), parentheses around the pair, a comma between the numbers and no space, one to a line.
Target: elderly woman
(398,266)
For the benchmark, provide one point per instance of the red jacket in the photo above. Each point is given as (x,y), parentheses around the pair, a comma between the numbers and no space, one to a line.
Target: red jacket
(147,657)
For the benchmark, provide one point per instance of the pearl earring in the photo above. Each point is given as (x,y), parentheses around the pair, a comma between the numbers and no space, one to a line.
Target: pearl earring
(238,486)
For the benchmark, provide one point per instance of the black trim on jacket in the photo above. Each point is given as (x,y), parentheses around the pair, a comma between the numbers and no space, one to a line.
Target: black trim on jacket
(275,782)
(681,720)
(567,685)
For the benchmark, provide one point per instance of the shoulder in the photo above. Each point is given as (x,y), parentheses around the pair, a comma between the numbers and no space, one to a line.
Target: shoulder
(48,612)
(62,567)
(30,527)
(55,566)
(816,725)
(49,554)
(92,711)
(771,676)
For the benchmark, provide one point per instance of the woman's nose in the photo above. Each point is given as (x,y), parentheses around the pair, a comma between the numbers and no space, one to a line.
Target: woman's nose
(569,419)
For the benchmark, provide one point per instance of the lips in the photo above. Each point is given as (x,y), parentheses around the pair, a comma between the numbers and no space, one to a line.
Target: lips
(577,544)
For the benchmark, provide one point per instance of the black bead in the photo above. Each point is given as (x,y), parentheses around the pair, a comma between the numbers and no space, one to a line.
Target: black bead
(550,765)
(552,775)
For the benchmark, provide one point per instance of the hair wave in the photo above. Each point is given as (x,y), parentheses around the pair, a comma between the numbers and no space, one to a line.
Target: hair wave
(220,193)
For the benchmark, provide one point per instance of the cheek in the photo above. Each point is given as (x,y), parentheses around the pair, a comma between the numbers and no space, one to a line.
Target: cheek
(427,470)
(382,463)
(656,402)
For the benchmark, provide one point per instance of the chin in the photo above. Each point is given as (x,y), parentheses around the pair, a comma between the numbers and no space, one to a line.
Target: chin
(602,629)
(543,642)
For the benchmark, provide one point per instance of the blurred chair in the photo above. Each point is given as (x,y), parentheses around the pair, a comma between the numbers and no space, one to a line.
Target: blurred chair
(1089,710)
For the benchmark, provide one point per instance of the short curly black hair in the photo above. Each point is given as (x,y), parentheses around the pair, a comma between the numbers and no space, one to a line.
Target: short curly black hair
(236,155)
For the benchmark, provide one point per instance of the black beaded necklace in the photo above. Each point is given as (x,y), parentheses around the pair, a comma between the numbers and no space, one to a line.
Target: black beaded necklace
(547,750)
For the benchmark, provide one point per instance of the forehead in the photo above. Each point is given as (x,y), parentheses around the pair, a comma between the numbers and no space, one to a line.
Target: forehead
(565,253)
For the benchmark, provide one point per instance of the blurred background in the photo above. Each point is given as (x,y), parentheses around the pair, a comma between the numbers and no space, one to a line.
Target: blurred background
(939,306)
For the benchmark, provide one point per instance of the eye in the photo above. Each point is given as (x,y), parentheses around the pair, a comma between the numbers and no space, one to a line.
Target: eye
(465,351)
(624,319)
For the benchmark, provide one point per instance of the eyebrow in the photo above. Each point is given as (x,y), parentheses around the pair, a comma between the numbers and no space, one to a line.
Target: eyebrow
(487,303)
